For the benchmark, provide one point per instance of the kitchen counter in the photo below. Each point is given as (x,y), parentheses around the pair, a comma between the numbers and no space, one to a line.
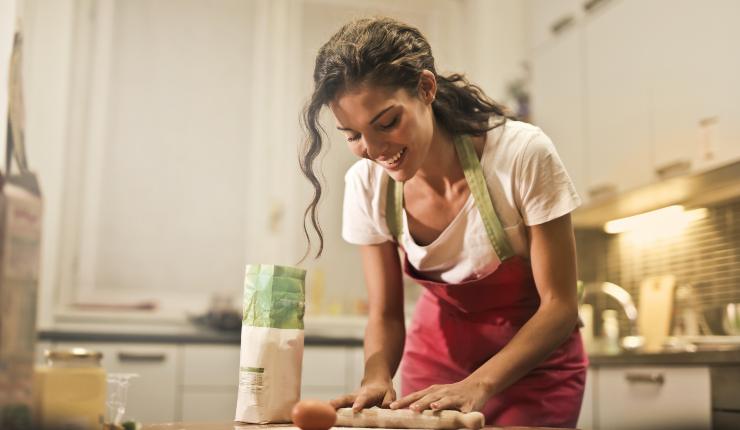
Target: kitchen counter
(200,336)
(319,331)
(717,357)
(239,426)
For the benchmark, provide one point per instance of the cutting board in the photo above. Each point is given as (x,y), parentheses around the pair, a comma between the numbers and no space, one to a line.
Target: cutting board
(655,309)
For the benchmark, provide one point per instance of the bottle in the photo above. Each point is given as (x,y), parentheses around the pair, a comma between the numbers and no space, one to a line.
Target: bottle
(610,330)
(586,314)
(70,390)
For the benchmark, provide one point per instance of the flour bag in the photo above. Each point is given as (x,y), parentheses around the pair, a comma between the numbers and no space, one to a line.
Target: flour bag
(271,344)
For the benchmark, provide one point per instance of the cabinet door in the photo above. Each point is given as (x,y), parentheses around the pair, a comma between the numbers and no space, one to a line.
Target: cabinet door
(544,14)
(586,419)
(210,366)
(152,397)
(209,405)
(695,82)
(557,101)
(325,372)
(617,103)
(210,382)
(653,398)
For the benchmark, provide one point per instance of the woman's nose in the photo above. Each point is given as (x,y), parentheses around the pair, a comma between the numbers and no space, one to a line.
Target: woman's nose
(374,148)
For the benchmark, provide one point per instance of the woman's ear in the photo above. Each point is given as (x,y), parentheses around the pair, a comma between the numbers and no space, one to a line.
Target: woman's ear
(427,86)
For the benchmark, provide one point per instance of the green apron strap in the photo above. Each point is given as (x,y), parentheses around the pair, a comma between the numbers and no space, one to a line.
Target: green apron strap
(394,208)
(477,184)
(479,189)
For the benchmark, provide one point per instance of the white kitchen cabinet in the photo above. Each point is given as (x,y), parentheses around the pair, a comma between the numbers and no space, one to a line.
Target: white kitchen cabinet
(586,420)
(325,372)
(210,381)
(206,405)
(637,397)
(694,69)
(557,101)
(617,100)
(544,14)
(153,396)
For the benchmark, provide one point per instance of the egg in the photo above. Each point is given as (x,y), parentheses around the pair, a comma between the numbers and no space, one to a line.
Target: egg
(313,415)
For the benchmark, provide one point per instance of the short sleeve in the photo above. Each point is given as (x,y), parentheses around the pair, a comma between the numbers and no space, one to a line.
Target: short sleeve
(358,225)
(544,191)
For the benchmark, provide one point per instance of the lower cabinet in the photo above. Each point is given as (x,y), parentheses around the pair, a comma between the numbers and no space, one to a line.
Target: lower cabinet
(154,395)
(642,397)
(586,420)
(198,382)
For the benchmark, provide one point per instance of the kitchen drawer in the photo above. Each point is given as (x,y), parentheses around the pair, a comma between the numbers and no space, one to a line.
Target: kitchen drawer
(325,367)
(726,388)
(635,397)
(209,405)
(210,366)
(152,397)
(722,420)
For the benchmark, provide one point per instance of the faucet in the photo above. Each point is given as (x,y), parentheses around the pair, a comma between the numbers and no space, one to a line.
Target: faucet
(622,296)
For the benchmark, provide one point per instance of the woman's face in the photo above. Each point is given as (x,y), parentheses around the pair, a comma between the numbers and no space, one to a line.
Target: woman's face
(388,126)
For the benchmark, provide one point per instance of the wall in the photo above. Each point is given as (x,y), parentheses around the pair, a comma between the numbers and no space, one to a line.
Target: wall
(706,256)
(144,182)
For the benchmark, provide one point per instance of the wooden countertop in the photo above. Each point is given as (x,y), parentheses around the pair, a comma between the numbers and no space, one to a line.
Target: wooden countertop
(240,426)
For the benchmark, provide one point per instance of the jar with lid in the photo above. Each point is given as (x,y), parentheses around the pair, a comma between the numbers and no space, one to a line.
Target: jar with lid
(70,390)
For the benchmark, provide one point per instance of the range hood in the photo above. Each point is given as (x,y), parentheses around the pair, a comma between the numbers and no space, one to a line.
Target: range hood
(698,189)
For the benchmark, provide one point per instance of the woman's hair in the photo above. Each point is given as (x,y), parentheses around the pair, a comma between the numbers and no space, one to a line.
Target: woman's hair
(388,53)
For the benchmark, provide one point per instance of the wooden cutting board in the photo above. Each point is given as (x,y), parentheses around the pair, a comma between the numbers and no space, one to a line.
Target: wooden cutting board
(655,309)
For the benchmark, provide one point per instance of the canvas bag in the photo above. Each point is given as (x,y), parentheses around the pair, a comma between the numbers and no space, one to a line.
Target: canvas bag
(20,249)
(271,343)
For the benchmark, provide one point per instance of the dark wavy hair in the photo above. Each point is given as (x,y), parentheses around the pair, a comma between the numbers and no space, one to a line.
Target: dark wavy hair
(385,52)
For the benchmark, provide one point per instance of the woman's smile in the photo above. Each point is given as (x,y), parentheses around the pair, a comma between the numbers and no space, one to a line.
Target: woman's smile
(393,162)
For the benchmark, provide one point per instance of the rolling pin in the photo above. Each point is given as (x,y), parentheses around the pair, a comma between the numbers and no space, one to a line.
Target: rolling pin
(406,418)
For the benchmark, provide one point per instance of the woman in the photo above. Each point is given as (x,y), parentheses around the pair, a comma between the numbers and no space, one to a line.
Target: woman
(479,204)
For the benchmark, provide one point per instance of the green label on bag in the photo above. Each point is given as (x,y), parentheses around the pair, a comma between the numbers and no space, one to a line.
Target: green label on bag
(274,296)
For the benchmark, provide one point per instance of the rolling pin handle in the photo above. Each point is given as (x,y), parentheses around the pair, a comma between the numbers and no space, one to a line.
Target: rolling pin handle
(472,420)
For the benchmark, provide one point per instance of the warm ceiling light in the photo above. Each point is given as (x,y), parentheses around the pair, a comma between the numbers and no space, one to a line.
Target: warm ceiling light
(669,217)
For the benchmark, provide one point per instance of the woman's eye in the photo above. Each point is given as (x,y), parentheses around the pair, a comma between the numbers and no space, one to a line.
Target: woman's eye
(353,138)
(390,124)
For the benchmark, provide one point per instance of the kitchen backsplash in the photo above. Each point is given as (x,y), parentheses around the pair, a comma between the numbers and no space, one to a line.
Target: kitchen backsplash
(705,255)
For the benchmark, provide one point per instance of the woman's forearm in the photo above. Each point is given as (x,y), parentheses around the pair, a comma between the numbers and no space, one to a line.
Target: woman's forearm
(384,338)
(548,328)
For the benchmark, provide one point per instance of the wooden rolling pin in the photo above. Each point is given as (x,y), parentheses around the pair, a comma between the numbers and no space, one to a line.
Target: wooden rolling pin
(406,418)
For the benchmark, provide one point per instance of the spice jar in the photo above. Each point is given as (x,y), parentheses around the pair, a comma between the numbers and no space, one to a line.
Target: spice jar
(70,390)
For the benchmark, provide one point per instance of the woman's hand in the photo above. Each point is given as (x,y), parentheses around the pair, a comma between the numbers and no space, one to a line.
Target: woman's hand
(371,393)
(467,395)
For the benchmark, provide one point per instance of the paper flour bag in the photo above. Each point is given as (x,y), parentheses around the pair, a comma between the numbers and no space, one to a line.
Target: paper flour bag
(271,344)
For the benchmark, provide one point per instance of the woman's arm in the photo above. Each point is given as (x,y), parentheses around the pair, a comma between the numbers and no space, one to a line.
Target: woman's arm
(552,252)
(385,332)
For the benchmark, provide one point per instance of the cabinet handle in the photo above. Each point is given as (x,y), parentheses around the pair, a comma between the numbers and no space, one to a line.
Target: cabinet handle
(591,5)
(602,191)
(675,168)
(561,24)
(139,357)
(647,378)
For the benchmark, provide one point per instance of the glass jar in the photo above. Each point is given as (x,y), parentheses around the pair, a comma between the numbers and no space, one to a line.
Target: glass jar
(70,390)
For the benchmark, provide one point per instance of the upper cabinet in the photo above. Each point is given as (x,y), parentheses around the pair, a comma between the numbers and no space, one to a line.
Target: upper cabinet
(557,101)
(649,87)
(617,98)
(549,17)
(694,69)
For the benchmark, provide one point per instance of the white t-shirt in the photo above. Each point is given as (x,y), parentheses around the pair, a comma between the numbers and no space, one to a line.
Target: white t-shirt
(528,185)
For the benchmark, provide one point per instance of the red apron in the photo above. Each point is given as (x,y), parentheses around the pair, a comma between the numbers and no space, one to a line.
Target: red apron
(458,327)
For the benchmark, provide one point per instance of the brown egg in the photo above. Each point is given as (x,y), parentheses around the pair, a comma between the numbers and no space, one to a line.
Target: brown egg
(313,415)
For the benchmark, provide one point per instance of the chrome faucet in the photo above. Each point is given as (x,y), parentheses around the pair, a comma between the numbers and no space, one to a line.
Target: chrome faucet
(622,296)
